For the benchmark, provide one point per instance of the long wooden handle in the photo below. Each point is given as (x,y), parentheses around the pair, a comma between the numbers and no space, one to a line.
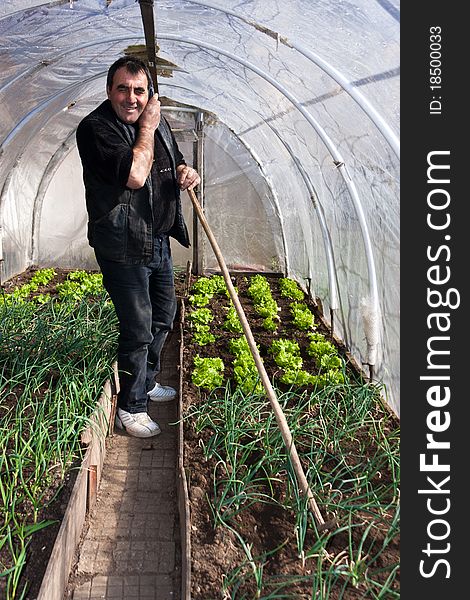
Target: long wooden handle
(280,417)
(146,11)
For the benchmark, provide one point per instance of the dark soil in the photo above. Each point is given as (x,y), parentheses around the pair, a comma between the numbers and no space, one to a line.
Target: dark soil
(56,498)
(41,545)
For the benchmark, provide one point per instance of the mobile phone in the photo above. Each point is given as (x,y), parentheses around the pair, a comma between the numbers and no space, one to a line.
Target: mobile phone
(151,91)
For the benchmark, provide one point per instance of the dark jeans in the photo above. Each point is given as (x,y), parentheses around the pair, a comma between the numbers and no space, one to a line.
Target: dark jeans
(145,302)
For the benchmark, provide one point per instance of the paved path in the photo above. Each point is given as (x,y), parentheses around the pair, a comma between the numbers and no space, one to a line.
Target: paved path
(130,549)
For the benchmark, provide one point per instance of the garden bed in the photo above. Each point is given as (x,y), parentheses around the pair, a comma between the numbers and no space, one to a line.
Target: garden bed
(251,533)
(58,344)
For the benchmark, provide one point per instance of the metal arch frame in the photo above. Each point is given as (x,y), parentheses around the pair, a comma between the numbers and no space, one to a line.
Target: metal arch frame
(329,69)
(55,161)
(332,284)
(332,71)
(26,119)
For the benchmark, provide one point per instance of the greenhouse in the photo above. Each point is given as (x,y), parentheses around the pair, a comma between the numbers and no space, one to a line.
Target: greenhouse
(290,114)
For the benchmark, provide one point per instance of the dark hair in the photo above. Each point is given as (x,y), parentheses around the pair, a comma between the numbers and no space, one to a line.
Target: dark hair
(133,64)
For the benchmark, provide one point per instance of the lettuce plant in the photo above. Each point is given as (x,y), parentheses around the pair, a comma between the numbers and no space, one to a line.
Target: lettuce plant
(232,322)
(290,289)
(208,373)
(263,302)
(202,334)
(244,367)
(202,316)
(286,354)
(302,317)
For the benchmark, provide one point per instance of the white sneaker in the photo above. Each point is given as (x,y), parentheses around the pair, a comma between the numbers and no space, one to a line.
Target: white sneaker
(139,424)
(161,393)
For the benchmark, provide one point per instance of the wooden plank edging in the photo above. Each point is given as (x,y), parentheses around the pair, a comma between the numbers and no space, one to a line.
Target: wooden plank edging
(60,561)
(182,487)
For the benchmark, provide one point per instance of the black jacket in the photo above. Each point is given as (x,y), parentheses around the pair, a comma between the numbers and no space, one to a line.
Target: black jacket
(120,219)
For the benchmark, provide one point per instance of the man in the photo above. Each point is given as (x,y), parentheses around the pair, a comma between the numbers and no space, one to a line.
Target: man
(133,172)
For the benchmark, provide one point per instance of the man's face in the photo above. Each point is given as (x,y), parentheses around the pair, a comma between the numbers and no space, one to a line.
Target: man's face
(128,94)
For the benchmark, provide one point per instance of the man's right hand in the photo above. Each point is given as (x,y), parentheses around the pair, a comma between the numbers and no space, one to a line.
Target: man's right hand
(150,116)
(144,145)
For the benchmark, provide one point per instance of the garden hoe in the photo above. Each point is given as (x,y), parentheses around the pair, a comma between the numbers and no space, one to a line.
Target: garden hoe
(146,7)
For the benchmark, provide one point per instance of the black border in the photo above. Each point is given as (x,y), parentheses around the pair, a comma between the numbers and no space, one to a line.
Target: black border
(421,133)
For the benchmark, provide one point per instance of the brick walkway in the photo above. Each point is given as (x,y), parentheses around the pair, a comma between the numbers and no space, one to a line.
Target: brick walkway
(130,549)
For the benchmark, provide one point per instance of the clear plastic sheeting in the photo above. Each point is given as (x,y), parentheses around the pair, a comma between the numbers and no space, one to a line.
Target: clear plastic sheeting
(290,110)
(240,205)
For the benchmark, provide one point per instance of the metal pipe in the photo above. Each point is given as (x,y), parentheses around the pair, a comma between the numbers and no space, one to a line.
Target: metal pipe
(325,66)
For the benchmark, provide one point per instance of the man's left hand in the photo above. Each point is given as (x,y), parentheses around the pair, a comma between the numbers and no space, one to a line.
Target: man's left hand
(187,177)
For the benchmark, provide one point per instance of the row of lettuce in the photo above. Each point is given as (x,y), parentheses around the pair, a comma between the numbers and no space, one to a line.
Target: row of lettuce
(209,372)
(77,284)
